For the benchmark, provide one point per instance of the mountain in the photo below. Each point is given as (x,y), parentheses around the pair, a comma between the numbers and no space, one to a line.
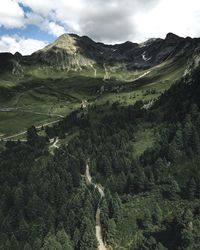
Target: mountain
(69,51)
(72,52)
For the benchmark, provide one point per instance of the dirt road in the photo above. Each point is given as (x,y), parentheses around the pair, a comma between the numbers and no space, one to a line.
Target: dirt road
(99,234)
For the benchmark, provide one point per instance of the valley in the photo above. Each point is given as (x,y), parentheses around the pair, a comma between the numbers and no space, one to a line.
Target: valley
(100,146)
(39,100)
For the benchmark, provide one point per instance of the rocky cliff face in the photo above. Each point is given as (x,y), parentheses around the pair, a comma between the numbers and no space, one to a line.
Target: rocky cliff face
(72,52)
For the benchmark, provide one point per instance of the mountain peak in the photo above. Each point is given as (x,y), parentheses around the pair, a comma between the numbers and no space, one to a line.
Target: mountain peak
(172,38)
(68,36)
(67,42)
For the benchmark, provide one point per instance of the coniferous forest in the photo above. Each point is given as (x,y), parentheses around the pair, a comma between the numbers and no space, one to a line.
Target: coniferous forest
(152,199)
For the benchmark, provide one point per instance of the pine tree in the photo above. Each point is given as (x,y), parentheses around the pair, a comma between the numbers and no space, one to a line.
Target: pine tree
(64,240)
(187,238)
(187,217)
(198,186)
(104,213)
(187,135)
(160,247)
(37,244)
(194,110)
(19,199)
(51,243)
(76,238)
(14,245)
(147,220)
(174,190)
(27,247)
(195,141)
(32,135)
(2,247)
(88,241)
(174,153)
(23,230)
(116,207)
(7,245)
(179,138)
(111,231)
(157,215)
(191,188)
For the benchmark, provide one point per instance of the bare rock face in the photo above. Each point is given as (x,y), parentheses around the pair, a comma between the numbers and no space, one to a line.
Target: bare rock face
(17,69)
(67,52)
(193,62)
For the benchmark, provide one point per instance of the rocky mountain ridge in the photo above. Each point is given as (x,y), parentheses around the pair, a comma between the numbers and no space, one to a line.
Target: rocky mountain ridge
(73,52)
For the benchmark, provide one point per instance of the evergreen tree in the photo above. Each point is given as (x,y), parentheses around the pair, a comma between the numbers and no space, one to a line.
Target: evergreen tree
(14,245)
(178,138)
(27,246)
(32,135)
(64,240)
(23,230)
(37,244)
(173,190)
(116,207)
(111,232)
(7,245)
(191,188)
(88,240)
(157,215)
(195,141)
(19,199)
(187,135)
(51,243)
(104,213)
(147,220)
(76,238)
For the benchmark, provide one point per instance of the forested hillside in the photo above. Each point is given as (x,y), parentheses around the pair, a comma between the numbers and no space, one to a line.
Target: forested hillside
(152,186)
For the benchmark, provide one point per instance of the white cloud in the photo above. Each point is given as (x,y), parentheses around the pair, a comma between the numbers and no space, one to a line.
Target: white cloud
(25,46)
(11,14)
(178,16)
(49,26)
(55,29)
(107,21)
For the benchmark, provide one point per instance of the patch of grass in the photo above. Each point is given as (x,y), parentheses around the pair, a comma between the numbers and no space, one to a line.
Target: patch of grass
(144,139)
(16,122)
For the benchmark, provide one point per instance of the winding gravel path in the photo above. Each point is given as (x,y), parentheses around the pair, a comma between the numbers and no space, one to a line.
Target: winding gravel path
(99,234)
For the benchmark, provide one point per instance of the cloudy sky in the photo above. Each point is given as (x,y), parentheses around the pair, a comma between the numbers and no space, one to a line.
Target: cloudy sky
(28,25)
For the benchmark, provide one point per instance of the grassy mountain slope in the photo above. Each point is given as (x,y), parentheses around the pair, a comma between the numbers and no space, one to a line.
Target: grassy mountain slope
(42,96)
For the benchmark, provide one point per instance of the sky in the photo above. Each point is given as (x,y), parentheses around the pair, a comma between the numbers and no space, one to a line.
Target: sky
(29,25)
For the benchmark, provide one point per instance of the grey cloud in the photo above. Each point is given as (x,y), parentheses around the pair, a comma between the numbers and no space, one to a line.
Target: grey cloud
(112,21)
(108,25)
